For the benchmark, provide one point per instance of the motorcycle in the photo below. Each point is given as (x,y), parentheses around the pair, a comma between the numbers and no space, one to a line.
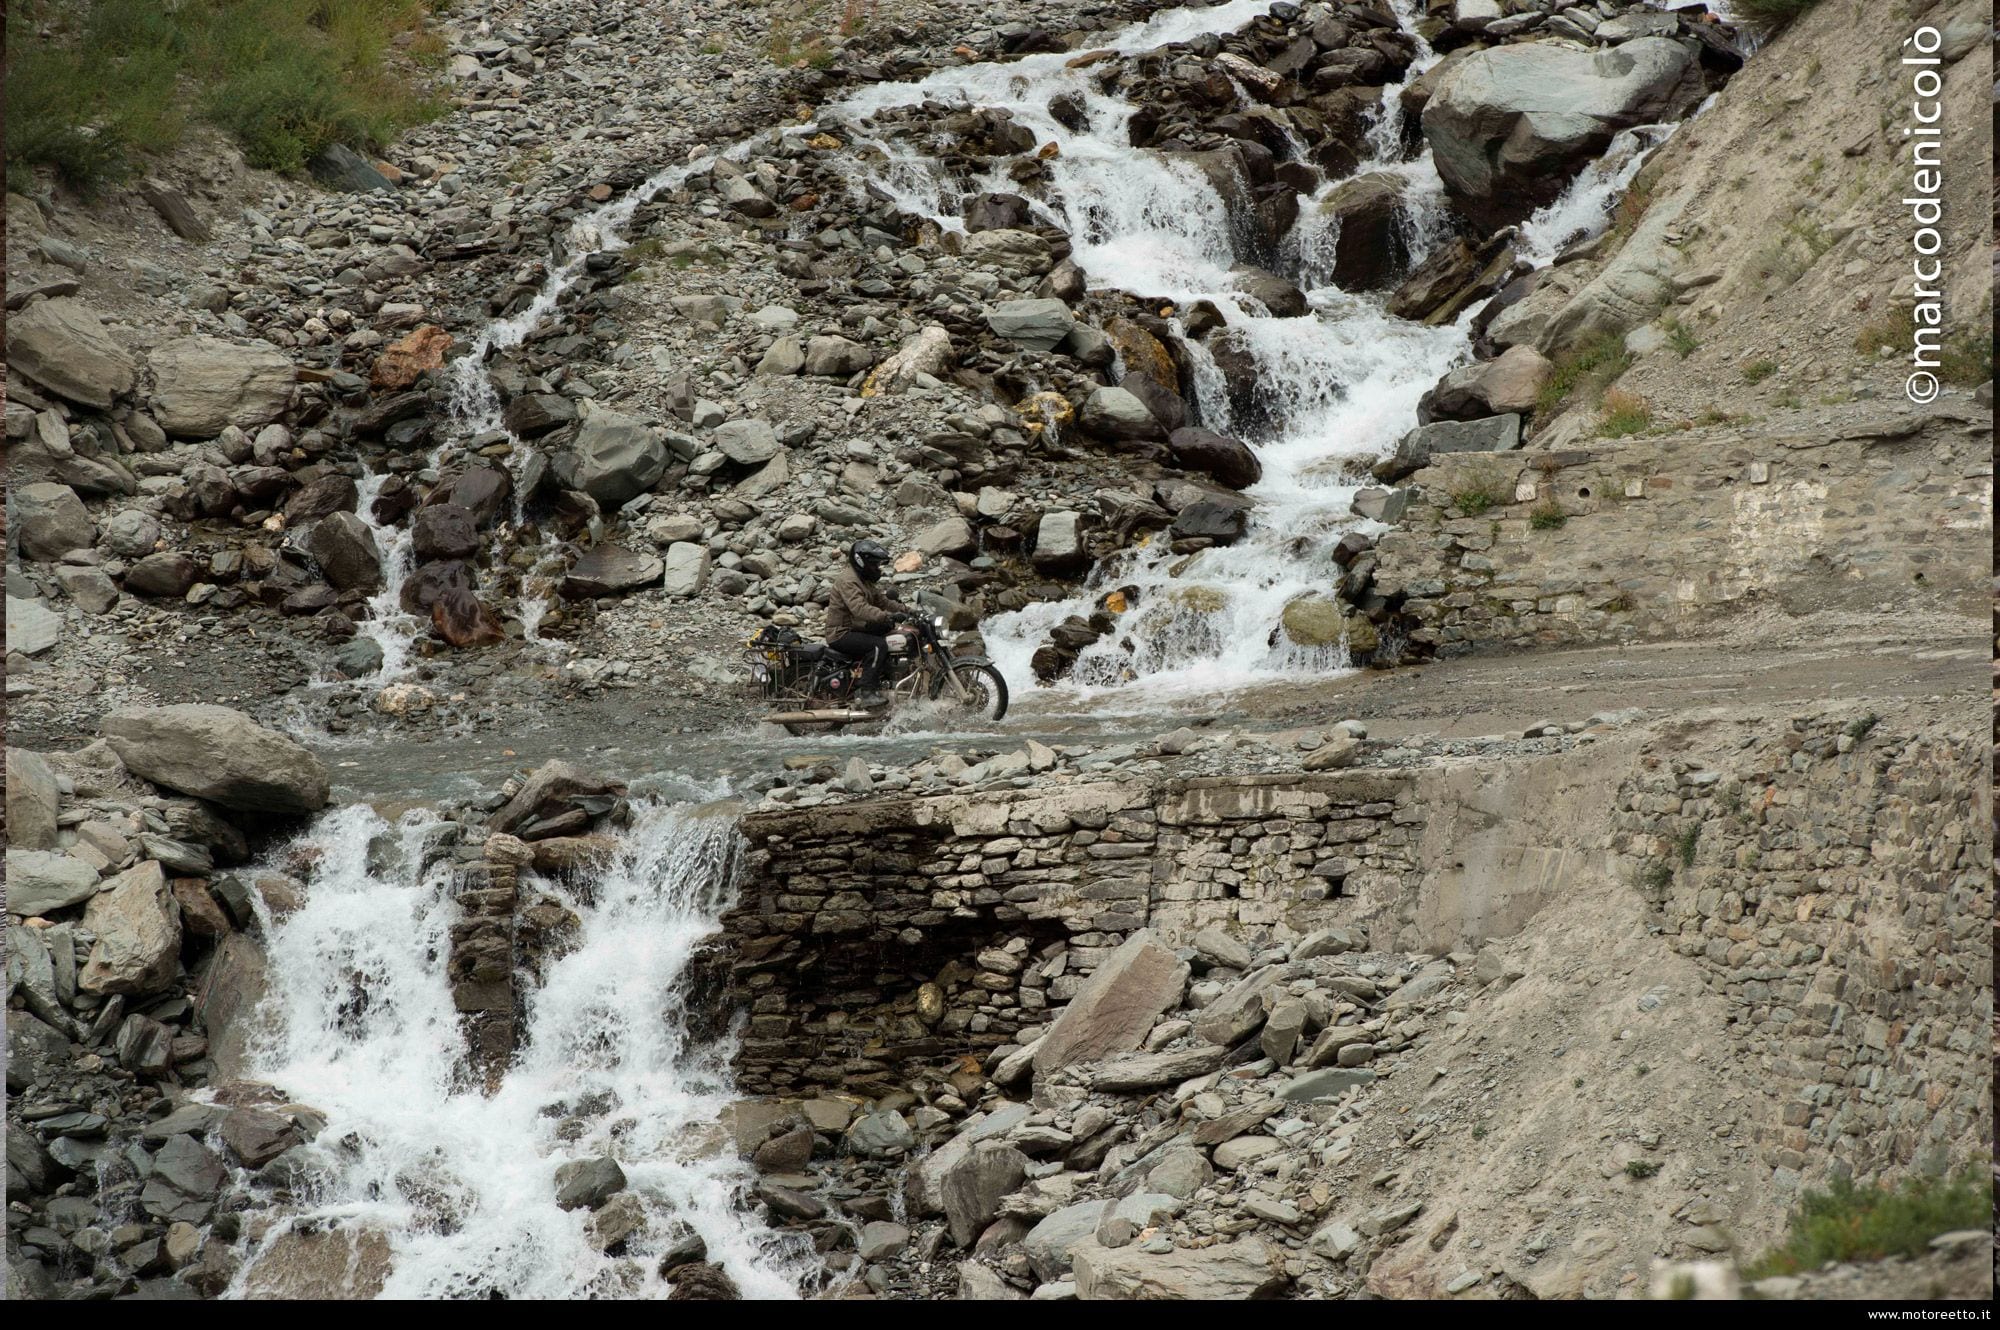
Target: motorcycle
(814,685)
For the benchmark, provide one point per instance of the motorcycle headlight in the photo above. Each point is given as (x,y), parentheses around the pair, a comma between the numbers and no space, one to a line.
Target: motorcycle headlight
(937,621)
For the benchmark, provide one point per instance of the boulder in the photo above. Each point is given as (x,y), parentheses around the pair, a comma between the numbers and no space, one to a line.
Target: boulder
(924,1183)
(184,1182)
(785,357)
(1219,521)
(1456,274)
(482,491)
(1010,250)
(33,799)
(926,354)
(951,536)
(585,1184)
(32,627)
(1225,459)
(443,531)
(50,520)
(62,345)
(974,1186)
(201,385)
(164,576)
(42,881)
(1508,385)
(1415,449)
(1226,1272)
(220,755)
(1368,250)
(35,1050)
(320,497)
(256,1136)
(408,358)
(836,357)
(91,589)
(554,788)
(685,571)
(1037,325)
(1049,1244)
(1279,296)
(344,547)
(1147,1071)
(532,415)
(1509,126)
(138,928)
(997,212)
(1059,543)
(1239,1011)
(1115,413)
(1115,1009)
(610,570)
(131,534)
(614,458)
(463,620)
(747,442)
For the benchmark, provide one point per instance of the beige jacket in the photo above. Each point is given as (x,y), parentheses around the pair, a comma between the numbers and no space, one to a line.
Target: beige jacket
(853,606)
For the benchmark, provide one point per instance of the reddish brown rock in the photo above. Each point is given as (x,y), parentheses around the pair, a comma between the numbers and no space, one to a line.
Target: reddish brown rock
(405,359)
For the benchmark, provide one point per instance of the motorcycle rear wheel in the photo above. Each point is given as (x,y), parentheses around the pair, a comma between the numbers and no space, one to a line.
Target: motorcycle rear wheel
(986,691)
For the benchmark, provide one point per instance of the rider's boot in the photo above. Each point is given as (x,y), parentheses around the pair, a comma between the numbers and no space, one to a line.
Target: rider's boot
(870,700)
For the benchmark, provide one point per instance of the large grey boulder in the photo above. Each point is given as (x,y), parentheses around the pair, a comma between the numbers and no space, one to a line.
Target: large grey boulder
(33,799)
(1113,1012)
(34,1050)
(1049,1244)
(1509,126)
(345,549)
(973,1188)
(1116,413)
(1058,542)
(32,627)
(42,881)
(1038,325)
(218,754)
(138,928)
(1509,384)
(927,353)
(685,569)
(1227,1272)
(1368,246)
(588,1183)
(837,357)
(614,458)
(62,345)
(953,535)
(167,575)
(747,442)
(923,1185)
(201,385)
(186,1177)
(1236,1014)
(51,521)
(131,534)
(1415,449)
(1628,292)
(611,570)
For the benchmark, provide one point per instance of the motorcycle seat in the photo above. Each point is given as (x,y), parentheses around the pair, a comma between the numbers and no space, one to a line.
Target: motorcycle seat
(816,651)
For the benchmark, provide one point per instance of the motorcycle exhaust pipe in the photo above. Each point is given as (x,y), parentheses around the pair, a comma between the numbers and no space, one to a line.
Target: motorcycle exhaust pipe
(845,715)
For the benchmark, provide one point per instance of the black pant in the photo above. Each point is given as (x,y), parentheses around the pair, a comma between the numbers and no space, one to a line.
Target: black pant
(872,651)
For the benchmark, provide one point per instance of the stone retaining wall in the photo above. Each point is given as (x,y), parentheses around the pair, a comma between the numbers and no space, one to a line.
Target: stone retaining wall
(874,932)
(1835,885)
(1649,537)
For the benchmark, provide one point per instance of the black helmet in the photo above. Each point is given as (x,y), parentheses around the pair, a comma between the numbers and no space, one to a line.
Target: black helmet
(867,558)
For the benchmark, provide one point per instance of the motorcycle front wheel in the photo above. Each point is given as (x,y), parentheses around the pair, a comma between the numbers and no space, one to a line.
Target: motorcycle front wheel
(985,691)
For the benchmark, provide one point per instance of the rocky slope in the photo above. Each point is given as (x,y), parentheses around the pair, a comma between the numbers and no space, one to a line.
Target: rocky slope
(514,437)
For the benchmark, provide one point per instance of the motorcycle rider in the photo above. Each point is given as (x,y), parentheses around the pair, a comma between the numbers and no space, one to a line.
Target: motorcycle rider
(860,615)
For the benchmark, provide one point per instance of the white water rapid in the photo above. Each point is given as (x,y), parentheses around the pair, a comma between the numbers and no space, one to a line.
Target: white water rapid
(461,1183)
(1346,378)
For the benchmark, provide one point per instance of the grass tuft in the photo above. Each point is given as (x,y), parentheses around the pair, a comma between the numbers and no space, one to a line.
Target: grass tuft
(94,88)
(1624,413)
(1589,367)
(1850,1223)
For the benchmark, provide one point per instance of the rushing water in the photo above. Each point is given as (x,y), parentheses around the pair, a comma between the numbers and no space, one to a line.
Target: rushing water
(462,1183)
(1345,379)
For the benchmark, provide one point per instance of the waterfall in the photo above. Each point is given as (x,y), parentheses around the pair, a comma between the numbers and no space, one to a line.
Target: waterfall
(1343,381)
(473,407)
(360,1025)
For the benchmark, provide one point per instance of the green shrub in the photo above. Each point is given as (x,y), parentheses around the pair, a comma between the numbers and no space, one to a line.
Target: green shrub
(1473,500)
(1547,515)
(1850,1223)
(1968,358)
(1685,843)
(1624,413)
(1681,338)
(1641,1168)
(1591,366)
(116,79)
(1759,370)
